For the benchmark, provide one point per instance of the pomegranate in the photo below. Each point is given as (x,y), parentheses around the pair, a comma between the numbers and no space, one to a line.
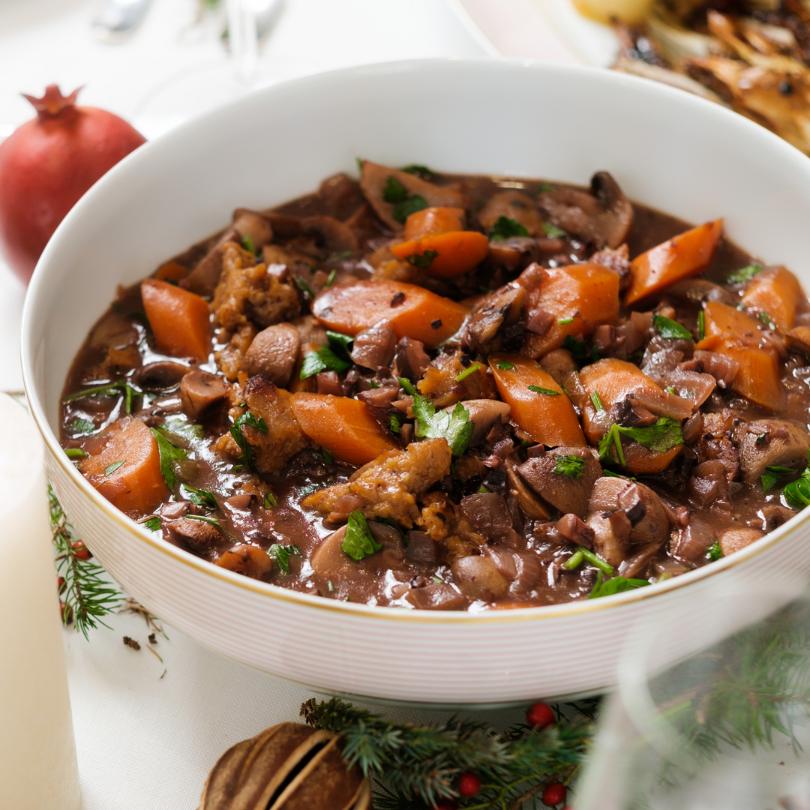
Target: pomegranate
(47,164)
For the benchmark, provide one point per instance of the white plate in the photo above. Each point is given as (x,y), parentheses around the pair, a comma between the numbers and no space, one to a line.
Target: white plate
(490,117)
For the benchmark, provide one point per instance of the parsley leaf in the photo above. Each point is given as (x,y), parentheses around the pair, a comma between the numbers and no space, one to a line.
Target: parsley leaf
(402,210)
(304,287)
(548,392)
(797,493)
(152,523)
(76,453)
(569,466)
(111,468)
(505,365)
(668,328)
(250,420)
(394,424)
(170,456)
(206,519)
(81,427)
(505,227)
(744,274)
(407,386)
(422,260)
(774,474)
(608,587)
(659,437)
(454,426)
(269,500)
(323,359)
(201,497)
(553,232)
(340,343)
(469,371)
(597,401)
(358,542)
(701,325)
(394,191)
(714,552)
(118,388)
(420,171)
(247,244)
(281,555)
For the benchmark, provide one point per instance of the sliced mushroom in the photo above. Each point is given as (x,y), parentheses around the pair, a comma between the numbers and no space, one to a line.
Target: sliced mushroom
(493,317)
(488,514)
(374,348)
(274,353)
(411,360)
(611,536)
(646,513)
(700,290)
(602,217)
(735,539)
(253,226)
(563,477)
(204,277)
(528,501)
(332,233)
(160,374)
(199,390)
(479,578)
(198,535)
(515,205)
(243,558)
(484,415)
(771,442)
(798,339)
(375,178)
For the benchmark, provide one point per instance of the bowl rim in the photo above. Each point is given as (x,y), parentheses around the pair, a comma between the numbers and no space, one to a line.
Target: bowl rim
(545,72)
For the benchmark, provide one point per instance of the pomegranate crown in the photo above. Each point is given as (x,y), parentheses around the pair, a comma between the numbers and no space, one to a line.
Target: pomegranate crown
(52,102)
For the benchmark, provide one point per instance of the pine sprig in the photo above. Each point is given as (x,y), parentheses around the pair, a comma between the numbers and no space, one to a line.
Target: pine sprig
(87,595)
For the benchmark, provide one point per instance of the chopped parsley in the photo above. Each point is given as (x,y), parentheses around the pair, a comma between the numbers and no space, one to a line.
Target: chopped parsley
(548,392)
(574,561)
(744,274)
(766,319)
(402,203)
(323,359)
(281,555)
(326,456)
(454,426)
(701,325)
(422,260)
(670,329)
(659,437)
(565,321)
(200,497)
(505,227)
(304,287)
(206,519)
(553,232)
(608,587)
(81,427)
(714,552)
(111,468)
(394,424)
(247,419)
(170,457)
(394,191)
(407,386)
(468,372)
(774,474)
(596,561)
(505,365)
(76,453)
(340,343)
(597,401)
(269,500)
(358,542)
(797,493)
(118,388)
(247,244)
(580,351)
(330,279)
(420,171)
(570,466)
(152,523)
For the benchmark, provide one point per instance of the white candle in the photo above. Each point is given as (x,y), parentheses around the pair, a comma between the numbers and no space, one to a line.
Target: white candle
(37,751)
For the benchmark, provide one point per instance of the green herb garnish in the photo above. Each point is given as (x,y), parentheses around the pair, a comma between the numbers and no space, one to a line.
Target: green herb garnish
(766,319)
(111,468)
(701,325)
(553,232)
(76,453)
(402,210)
(505,365)
(714,552)
(394,191)
(670,329)
(323,359)
(774,474)
(170,457)
(407,386)
(118,388)
(270,500)
(597,401)
(797,493)
(281,555)
(454,426)
(565,321)
(744,274)
(469,371)
(152,523)
(358,542)
(570,466)
(422,260)
(183,428)
(574,561)
(247,244)
(247,419)
(505,227)
(81,427)
(330,279)
(304,287)
(659,437)
(608,587)
(394,424)
(206,519)
(340,343)
(548,392)
(420,171)
(200,497)
(596,561)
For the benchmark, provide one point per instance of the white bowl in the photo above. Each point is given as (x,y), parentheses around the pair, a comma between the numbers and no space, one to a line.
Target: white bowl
(667,149)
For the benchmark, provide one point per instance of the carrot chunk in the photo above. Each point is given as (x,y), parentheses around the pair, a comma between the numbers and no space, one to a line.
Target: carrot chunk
(445,255)
(126,471)
(579,297)
(179,319)
(682,256)
(776,293)
(436,219)
(412,311)
(342,425)
(539,406)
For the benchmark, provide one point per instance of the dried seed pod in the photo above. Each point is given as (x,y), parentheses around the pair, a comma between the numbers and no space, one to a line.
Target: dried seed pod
(286,767)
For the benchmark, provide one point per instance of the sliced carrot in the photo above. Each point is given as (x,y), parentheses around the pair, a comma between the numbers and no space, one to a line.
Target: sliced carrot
(682,256)
(126,471)
(342,425)
(579,297)
(639,460)
(777,293)
(412,311)
(445,254)
(434,220)
(179,319)
(539,406)
(721,320)
(171,271)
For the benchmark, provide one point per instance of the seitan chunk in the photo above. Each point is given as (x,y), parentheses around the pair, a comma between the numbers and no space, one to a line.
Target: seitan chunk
(272,446)
(389,486)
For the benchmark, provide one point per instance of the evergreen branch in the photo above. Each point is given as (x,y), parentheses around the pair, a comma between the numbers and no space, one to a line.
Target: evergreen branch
(86,593)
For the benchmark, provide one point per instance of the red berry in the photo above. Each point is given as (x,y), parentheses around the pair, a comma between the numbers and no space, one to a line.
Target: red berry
(554,794)
(469,785)
(80,550)
(60,584)
(540,715)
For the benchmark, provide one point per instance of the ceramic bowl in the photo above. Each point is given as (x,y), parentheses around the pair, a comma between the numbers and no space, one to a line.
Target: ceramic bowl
(668,150)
